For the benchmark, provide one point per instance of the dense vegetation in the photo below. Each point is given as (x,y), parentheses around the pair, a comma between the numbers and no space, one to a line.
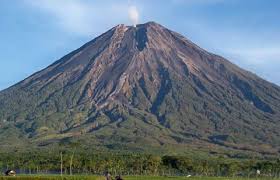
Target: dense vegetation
(77,162)
(127,178)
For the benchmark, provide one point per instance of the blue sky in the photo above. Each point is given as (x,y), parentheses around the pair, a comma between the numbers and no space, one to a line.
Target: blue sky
(35,33)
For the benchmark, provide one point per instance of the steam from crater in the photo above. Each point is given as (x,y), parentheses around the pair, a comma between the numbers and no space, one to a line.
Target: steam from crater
(133,15)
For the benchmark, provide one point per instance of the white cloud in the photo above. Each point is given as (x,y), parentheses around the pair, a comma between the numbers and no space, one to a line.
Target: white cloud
(133,15)
(257,55)
(81,17)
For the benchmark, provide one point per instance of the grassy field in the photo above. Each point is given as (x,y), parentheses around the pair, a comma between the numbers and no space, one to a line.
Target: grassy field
(43,177)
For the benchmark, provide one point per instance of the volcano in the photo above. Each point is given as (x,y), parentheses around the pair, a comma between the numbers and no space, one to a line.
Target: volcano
(143,88)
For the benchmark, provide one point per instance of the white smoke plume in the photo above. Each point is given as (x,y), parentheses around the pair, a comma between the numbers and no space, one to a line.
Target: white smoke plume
(133,15)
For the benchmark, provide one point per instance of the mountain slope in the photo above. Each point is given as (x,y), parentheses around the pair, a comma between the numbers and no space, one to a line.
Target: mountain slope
(143,87)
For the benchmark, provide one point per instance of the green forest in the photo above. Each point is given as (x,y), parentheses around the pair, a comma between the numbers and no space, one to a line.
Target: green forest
(129,164)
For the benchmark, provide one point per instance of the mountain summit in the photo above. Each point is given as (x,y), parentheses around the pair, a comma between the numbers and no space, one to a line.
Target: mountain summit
(141,88)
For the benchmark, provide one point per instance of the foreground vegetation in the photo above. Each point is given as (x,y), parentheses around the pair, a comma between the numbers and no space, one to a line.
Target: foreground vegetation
(131,164)
(132,178)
